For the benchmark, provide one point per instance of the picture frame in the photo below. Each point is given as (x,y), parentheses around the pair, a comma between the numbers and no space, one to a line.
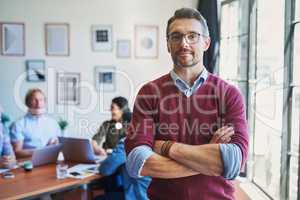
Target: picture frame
(68,88)
(146,41)
(105,78)
(102,38)
(123,48)
(57,39)
(12,39)
(35,71)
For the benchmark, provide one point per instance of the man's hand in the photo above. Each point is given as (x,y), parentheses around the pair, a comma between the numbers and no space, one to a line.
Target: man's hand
(52,141)
(97,149)
(7,161)
(222,135)
(100,151)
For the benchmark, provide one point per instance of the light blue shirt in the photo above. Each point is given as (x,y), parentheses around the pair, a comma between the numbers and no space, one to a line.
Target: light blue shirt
(34,131)
(231,153)
(184,87)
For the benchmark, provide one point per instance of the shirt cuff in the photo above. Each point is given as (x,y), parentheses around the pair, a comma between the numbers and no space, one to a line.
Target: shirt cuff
(136,160)
(232,158)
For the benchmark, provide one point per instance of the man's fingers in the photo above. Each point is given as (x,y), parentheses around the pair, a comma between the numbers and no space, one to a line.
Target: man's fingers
(226,136)
(223,131)
(220,130)
(222,135)
(216,135)
(228,140)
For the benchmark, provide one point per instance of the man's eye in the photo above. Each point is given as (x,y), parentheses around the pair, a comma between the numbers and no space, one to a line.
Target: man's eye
(192,36)
(175,37)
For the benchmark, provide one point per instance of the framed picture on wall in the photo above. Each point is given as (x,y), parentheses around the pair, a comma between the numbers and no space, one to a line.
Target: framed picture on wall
(57,37)
(146,41)
(68,88)
(35,70)
(105,78)
(12,39)
(102,38)
(123,48)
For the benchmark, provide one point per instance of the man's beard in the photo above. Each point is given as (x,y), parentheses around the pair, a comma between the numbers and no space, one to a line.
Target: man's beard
(177,63)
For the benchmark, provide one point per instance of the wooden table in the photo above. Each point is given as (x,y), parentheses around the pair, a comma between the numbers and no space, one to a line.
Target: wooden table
(41,180)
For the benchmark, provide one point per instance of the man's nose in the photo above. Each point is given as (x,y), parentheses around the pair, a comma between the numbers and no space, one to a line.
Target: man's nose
(184,42)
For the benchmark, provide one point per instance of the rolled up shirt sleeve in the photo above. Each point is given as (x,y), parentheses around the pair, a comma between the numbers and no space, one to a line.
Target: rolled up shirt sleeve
(136,160)
(7,148)
(232,158)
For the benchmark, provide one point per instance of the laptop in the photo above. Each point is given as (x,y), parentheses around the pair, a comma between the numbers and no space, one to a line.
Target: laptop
(79,150)
(46,155)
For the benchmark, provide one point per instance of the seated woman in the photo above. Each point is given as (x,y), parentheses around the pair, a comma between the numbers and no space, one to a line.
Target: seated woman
(7,156)
(35,129)
(112,130)
(117,183)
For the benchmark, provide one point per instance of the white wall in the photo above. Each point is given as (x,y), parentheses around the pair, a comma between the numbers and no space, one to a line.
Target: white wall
(80,14)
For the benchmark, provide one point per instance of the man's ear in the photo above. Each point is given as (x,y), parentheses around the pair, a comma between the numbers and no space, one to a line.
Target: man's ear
(206,43)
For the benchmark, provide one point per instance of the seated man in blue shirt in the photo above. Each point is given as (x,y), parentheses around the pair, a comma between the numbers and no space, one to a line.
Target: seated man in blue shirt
(7,156)
(35,129)
(134,189)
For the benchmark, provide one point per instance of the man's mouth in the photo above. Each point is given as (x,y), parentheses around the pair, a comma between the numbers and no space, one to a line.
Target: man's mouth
(184,53)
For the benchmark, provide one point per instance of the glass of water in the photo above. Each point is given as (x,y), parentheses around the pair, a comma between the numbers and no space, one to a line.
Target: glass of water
(61,171)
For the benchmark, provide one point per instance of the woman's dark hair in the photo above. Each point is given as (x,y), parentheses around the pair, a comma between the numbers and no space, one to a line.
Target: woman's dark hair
(122,103)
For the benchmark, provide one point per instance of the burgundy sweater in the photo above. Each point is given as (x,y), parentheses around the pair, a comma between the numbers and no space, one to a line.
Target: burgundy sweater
(162,112)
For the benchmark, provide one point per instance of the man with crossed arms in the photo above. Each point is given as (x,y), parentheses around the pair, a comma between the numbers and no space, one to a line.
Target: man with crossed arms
(173,137)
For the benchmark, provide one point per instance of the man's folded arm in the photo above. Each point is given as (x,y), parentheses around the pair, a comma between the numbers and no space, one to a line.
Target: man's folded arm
(142,161)
(209,159)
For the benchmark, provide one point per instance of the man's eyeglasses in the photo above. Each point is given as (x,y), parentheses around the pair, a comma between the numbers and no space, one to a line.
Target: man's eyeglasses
(190,38)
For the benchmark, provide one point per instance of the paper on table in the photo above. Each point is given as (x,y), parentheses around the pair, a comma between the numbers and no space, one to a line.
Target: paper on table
(82,170)
(3,170)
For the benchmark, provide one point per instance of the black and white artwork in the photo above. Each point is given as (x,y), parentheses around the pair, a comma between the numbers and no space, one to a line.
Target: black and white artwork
(68,89)
(102,38)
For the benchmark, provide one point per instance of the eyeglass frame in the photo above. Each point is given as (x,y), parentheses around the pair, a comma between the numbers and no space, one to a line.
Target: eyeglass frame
(185,36)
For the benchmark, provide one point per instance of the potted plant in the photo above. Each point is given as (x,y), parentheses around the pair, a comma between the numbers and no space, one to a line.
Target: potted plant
(63,125)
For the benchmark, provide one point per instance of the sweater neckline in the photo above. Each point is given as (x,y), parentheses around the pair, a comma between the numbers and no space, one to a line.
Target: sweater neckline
(209,76)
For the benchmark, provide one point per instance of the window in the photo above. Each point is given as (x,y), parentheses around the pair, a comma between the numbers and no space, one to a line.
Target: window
(229,40)
(269,96)
(297,11)
(234,43)
(233,60)
(260,72)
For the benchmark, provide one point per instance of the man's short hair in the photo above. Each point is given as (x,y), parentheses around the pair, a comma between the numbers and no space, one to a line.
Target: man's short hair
(189,13)
(30,94)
